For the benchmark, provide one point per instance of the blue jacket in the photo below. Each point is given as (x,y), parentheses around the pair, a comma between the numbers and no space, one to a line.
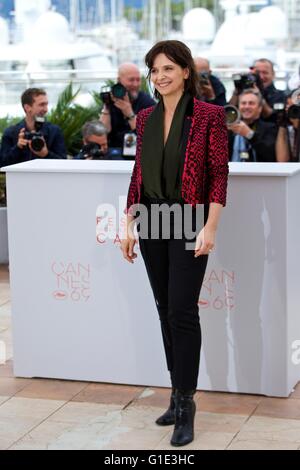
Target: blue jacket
(10,153)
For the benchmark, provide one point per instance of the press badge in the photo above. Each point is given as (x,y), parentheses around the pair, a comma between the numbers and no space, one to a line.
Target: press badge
(244,156)
(129,145)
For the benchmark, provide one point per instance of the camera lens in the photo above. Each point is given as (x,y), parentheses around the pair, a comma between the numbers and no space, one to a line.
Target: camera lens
(118,91)
(296,97)
(232,114)
(294,112)
(37,143)
(92,150)
(204,78)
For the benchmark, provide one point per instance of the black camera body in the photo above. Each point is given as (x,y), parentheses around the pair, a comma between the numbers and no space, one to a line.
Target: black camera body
(93,151)
(37,140)
(294,111)
(242,81)
(36,137)
(204,78)
(283,116)
(117,91)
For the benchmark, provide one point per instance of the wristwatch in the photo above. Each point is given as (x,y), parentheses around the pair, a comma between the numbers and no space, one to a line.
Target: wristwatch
(131,116)
(250,135)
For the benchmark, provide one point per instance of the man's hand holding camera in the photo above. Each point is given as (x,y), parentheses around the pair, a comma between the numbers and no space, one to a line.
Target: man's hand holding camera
(43,152)
(207,90)
(124,105)
(240,128)
(23,142)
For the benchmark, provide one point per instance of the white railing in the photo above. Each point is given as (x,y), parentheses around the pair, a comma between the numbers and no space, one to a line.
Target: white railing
(13,83)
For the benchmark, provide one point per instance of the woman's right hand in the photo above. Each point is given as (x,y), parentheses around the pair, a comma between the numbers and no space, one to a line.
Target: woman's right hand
(127,246)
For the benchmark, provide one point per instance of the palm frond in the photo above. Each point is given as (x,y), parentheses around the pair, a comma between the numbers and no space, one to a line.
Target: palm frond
(70,117)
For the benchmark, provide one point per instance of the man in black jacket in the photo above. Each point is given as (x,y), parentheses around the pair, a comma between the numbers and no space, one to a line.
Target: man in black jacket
(264,68)
(119,117)
(212,89)
(251,139)
(17,144)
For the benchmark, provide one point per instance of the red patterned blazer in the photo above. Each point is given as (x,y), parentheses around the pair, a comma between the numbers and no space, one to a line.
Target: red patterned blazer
(205,171)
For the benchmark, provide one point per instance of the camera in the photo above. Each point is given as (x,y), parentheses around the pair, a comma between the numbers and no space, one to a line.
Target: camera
(117,90)
(204,78)
(280,114)
(246,80)
(93,151)
(232,114)
(36,137)
(294,109)
(294,112)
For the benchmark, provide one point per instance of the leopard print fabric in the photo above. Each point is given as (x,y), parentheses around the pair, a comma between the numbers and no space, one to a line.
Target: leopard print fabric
(205,172)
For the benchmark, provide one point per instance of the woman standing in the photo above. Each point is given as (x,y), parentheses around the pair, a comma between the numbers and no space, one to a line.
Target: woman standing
(181,162)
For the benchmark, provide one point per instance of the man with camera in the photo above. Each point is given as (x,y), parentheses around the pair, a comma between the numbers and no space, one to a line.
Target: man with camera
(260,78)
(288,140)
(95,146)
(122,103)
(32,137)
(250,138)
(212,89)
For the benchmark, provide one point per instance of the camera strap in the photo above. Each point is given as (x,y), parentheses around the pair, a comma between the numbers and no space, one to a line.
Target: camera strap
(293,141)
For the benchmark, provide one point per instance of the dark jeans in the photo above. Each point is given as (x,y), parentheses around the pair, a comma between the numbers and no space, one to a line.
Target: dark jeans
(176,278)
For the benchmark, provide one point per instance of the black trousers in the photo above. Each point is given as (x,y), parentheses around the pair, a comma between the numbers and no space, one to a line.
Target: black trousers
(176,278)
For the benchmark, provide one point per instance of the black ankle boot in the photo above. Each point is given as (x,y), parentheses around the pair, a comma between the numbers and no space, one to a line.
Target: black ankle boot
(169,416)
(185,410)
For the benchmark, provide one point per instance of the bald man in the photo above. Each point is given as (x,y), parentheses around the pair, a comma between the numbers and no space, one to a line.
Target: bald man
(212,89)
(120,117)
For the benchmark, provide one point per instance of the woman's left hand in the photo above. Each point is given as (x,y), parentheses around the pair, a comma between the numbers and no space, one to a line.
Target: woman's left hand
(205,241)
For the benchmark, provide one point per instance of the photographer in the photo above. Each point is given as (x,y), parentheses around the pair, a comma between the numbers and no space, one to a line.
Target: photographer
(288,139)
(212,89)
(260,78)
(95,146)
(119,116)
(250,138)
(32,137)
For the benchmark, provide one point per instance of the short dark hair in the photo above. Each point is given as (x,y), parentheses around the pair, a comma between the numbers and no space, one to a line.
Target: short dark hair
(251,91)
(29,95)
(181,55)
(265,61)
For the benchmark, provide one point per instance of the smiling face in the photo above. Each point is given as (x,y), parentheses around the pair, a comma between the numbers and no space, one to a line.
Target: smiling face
(250,107)
(168,77)
(39,106)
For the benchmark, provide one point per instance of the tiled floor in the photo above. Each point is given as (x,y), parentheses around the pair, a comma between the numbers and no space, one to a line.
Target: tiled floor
(57,414)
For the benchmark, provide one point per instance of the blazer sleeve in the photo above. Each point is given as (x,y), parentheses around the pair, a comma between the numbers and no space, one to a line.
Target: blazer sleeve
(217,162)
(132,196)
